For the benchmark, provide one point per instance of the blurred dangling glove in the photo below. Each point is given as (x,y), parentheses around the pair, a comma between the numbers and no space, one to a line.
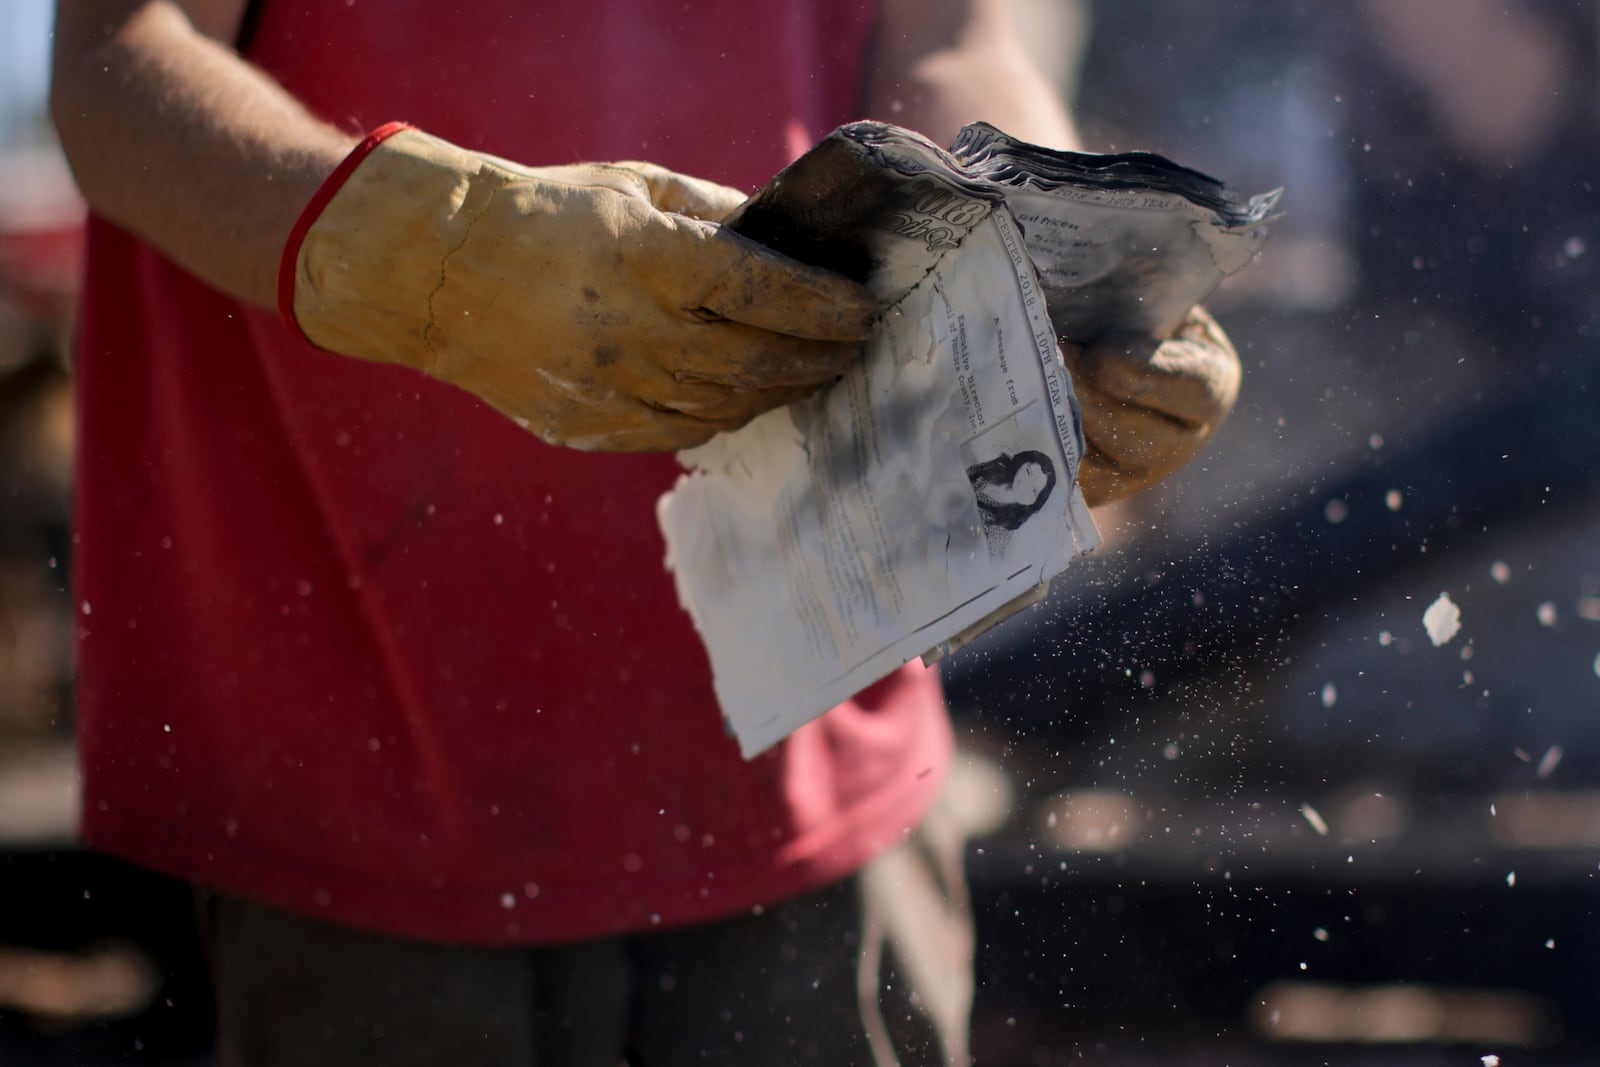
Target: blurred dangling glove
(1149,405)
(595,304)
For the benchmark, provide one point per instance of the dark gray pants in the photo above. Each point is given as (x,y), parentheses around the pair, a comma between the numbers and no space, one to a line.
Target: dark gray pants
(876,970)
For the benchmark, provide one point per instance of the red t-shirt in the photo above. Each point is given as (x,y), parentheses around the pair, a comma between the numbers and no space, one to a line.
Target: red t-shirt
(352,644)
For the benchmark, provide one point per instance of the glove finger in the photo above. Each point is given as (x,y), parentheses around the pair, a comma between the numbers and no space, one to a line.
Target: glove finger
(1193,377)
(711,272)
(1146,443)
(1102,481)
(670,412)
(664,431)
(733,354)
(1181,379)
(683,194)
(626,424)
(722,404)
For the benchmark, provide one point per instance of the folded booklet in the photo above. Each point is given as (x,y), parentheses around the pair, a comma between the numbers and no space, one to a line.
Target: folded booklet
(932,491)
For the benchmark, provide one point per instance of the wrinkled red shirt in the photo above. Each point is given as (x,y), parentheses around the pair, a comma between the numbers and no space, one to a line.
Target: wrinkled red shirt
(354,645)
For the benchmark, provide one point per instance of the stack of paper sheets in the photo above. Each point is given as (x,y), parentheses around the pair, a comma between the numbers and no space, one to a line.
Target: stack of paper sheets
(932,491)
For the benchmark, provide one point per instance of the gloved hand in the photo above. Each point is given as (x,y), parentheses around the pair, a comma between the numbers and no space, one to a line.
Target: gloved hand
(1149,405)
(593,304)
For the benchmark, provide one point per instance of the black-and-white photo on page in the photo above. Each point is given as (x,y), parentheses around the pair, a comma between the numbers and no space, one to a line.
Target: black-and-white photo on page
(1009,489)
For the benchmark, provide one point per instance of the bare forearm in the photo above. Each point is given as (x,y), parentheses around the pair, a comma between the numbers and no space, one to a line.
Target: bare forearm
(175,137)
(938,65)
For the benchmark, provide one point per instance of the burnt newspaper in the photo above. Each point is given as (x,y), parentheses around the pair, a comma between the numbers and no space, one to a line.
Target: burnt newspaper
(932,491)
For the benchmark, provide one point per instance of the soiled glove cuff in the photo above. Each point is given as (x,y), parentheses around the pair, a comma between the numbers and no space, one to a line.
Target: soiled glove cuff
(370,265)
(313,209)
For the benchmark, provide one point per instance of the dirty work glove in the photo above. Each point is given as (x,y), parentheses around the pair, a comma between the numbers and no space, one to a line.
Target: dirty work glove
(1148,405)
(593,304)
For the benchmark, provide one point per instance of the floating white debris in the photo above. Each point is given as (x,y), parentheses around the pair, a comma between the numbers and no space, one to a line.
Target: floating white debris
(1314,817)
(1330,695)
(1500,572)
(1335,511)
(1597,665)
(1511,879)
(1393,499)
(1546,613)
(1442,620)
(1549,761)
(1491,1060)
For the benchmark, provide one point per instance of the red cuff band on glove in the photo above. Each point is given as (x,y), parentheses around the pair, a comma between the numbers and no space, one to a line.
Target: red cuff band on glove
(313,209)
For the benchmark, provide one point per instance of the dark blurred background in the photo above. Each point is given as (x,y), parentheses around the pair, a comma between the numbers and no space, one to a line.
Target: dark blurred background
(1243,806)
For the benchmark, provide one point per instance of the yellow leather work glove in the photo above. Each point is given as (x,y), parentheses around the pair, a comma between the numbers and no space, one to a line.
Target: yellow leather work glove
(594,304)
(1149,405)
